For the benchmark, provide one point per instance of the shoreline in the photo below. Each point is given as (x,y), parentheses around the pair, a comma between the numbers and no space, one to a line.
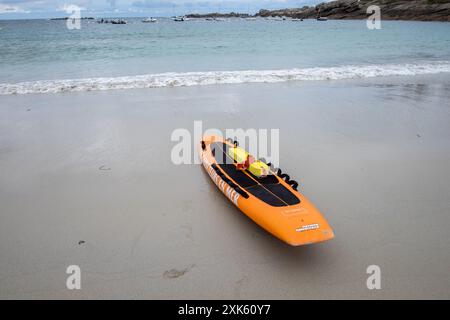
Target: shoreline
(432,80)
(207,78)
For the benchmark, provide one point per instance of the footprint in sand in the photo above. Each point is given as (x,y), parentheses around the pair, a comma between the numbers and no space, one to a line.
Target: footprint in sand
(239,285)
(187,230)
(104,168)
(187,205)
(174,273)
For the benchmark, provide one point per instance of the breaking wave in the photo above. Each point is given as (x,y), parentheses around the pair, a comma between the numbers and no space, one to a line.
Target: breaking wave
(173,79)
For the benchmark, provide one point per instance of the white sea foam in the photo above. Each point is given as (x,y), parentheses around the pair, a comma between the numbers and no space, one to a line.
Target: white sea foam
(172,79)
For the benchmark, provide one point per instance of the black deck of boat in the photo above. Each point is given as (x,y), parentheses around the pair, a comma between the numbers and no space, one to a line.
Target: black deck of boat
(267,189)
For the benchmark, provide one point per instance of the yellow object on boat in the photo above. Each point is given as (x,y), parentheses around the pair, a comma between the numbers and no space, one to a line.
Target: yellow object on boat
(238,154)
(257,168)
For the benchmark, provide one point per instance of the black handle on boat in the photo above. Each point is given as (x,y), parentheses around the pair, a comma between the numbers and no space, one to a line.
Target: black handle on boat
(294,184)
(279,172)
(285,177)
(236,144)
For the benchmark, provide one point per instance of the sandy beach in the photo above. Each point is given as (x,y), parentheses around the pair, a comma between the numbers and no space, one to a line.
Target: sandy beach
(86,179)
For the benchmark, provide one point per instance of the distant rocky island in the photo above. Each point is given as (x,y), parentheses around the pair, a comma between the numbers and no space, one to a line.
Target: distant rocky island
(420,10)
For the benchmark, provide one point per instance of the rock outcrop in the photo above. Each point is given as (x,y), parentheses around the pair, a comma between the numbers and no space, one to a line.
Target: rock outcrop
(421,10)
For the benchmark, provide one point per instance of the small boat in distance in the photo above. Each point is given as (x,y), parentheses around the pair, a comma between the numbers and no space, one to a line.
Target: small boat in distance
(322,19)
(118,21)
(149,20)
(180,18)
(296,19)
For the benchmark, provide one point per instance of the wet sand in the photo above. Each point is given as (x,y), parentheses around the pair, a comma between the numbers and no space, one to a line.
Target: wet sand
(86,179)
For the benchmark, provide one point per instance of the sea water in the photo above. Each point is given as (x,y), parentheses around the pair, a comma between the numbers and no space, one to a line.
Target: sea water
(46,56)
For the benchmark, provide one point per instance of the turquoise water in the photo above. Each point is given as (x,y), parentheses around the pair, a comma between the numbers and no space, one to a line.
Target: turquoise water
(32,50)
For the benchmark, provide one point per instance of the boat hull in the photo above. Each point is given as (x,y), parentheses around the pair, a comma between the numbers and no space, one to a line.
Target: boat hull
(296,223)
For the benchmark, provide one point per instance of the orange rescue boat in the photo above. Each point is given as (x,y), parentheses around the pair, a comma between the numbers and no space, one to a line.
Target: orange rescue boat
(269,198)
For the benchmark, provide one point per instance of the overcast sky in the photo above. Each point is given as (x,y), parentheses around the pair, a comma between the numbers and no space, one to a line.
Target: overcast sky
(56,8)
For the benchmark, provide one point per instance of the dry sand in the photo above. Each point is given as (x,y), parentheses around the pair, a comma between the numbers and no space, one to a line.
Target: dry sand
(372,155)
